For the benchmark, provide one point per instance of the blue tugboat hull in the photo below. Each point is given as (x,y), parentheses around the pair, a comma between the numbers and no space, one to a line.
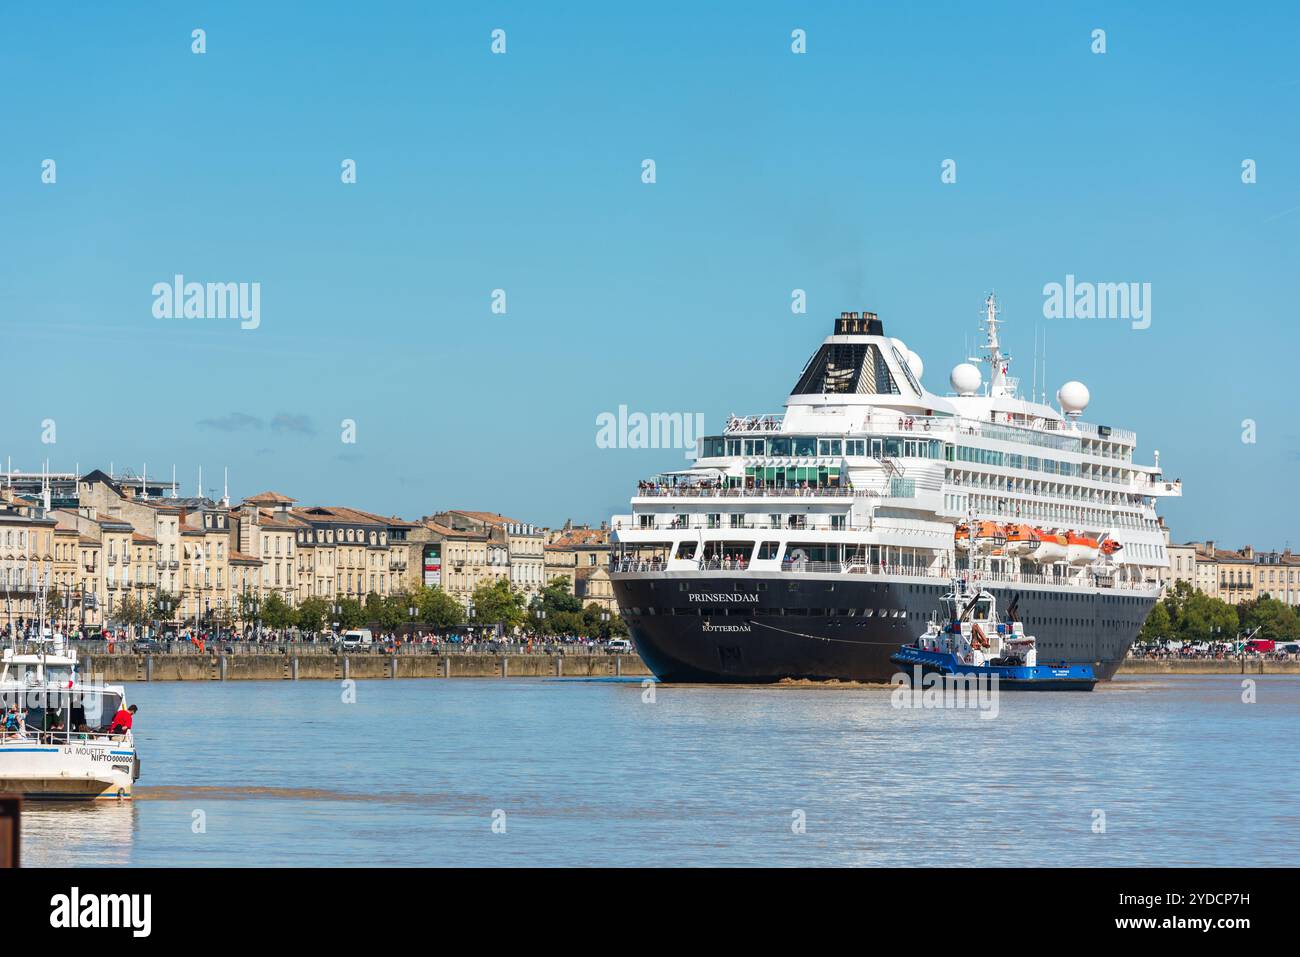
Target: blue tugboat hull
(1012,677)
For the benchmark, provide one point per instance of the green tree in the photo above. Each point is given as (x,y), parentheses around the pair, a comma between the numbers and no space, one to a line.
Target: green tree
(276,612)
(1204,619)
(1158,625)
(497,601)
(1275,619)
(311,614)
(437,608)
(558,596)
(350,614)
(164,606)
(131,611)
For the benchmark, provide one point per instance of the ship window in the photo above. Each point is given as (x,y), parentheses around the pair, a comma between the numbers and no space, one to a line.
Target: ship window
(768,551)
(781,446)
(686,550)
(805,445)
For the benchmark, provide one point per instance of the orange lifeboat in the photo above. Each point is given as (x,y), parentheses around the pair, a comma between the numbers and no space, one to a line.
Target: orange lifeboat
(1081,549)
(1049,547)
(988,536)
(1020,540)
(1110,547)
(961,537)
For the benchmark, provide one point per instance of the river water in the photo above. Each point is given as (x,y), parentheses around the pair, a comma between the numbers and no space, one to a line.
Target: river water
(1172,770)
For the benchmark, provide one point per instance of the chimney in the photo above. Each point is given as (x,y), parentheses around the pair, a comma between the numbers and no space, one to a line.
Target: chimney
(1209,547)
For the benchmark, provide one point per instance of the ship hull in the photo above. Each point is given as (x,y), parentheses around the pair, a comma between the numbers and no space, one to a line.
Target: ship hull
(740,627)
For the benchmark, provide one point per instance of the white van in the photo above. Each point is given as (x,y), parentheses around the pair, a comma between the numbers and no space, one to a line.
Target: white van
(360,638)
(619,645)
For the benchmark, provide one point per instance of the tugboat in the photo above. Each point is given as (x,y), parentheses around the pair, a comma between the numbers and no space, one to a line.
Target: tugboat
(973,641)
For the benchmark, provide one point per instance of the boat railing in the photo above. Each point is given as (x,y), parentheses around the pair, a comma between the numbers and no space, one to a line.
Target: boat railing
(691,491)
(851,567)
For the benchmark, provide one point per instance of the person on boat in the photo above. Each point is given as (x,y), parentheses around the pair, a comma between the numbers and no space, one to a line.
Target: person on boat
(121,722)
(11,722)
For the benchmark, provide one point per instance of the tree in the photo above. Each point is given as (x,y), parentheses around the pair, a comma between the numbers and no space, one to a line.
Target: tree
(163,606)
(437,608)
(1204,619)
(131,611)
(276,612)
(351,614)
(1275,619)
(1158,625)
(497,601)
(311,613)
(557,596)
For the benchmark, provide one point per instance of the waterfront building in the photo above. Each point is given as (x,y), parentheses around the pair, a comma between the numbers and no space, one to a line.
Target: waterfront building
(1279,576)
(26,558)
(462,560)
(265,535)
(347,552)
(524,556)
(586,552)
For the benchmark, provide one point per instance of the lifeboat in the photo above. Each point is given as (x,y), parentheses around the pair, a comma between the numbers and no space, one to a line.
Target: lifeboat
(1049,547)
(1081,549)
(1110,547)
(1020,540)
(961,537)
(987,537)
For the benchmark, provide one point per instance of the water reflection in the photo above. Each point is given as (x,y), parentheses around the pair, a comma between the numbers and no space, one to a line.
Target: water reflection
(74,834)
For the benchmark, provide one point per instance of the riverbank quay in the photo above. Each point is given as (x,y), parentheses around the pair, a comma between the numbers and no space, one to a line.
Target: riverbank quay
(1210,666)
(263,661)
(315,663)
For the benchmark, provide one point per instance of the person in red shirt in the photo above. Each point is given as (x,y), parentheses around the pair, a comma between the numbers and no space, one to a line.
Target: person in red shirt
(121,722)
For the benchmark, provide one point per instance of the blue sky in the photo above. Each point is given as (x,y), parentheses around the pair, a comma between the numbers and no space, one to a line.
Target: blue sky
(775,171)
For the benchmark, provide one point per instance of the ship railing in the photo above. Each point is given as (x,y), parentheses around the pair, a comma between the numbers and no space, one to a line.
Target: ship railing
(66,737)
(754,423)
(681,491)
(852,567)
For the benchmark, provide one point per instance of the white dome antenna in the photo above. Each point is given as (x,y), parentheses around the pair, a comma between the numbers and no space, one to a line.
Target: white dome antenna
(1073,398)
(965,378)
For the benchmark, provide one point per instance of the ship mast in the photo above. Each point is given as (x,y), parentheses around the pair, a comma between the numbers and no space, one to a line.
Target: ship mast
(999,383)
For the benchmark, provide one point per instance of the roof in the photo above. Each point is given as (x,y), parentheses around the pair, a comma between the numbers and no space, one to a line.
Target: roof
(269,498)
(578,537)
(138,539)
(449,532)
(240,558)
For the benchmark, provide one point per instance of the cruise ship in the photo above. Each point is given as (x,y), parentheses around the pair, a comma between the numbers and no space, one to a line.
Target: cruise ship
(813,543)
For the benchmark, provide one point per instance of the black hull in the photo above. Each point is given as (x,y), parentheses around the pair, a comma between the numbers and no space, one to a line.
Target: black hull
(752,628)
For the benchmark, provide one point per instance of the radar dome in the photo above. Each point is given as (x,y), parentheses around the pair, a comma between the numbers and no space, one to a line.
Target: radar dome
(1073,397)
(965,379)
(915,364)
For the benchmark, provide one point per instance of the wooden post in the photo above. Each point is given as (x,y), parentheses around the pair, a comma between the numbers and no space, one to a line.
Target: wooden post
(11,813)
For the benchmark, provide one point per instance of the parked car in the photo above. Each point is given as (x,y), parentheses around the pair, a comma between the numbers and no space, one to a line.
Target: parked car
(147,646)
(619,646)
